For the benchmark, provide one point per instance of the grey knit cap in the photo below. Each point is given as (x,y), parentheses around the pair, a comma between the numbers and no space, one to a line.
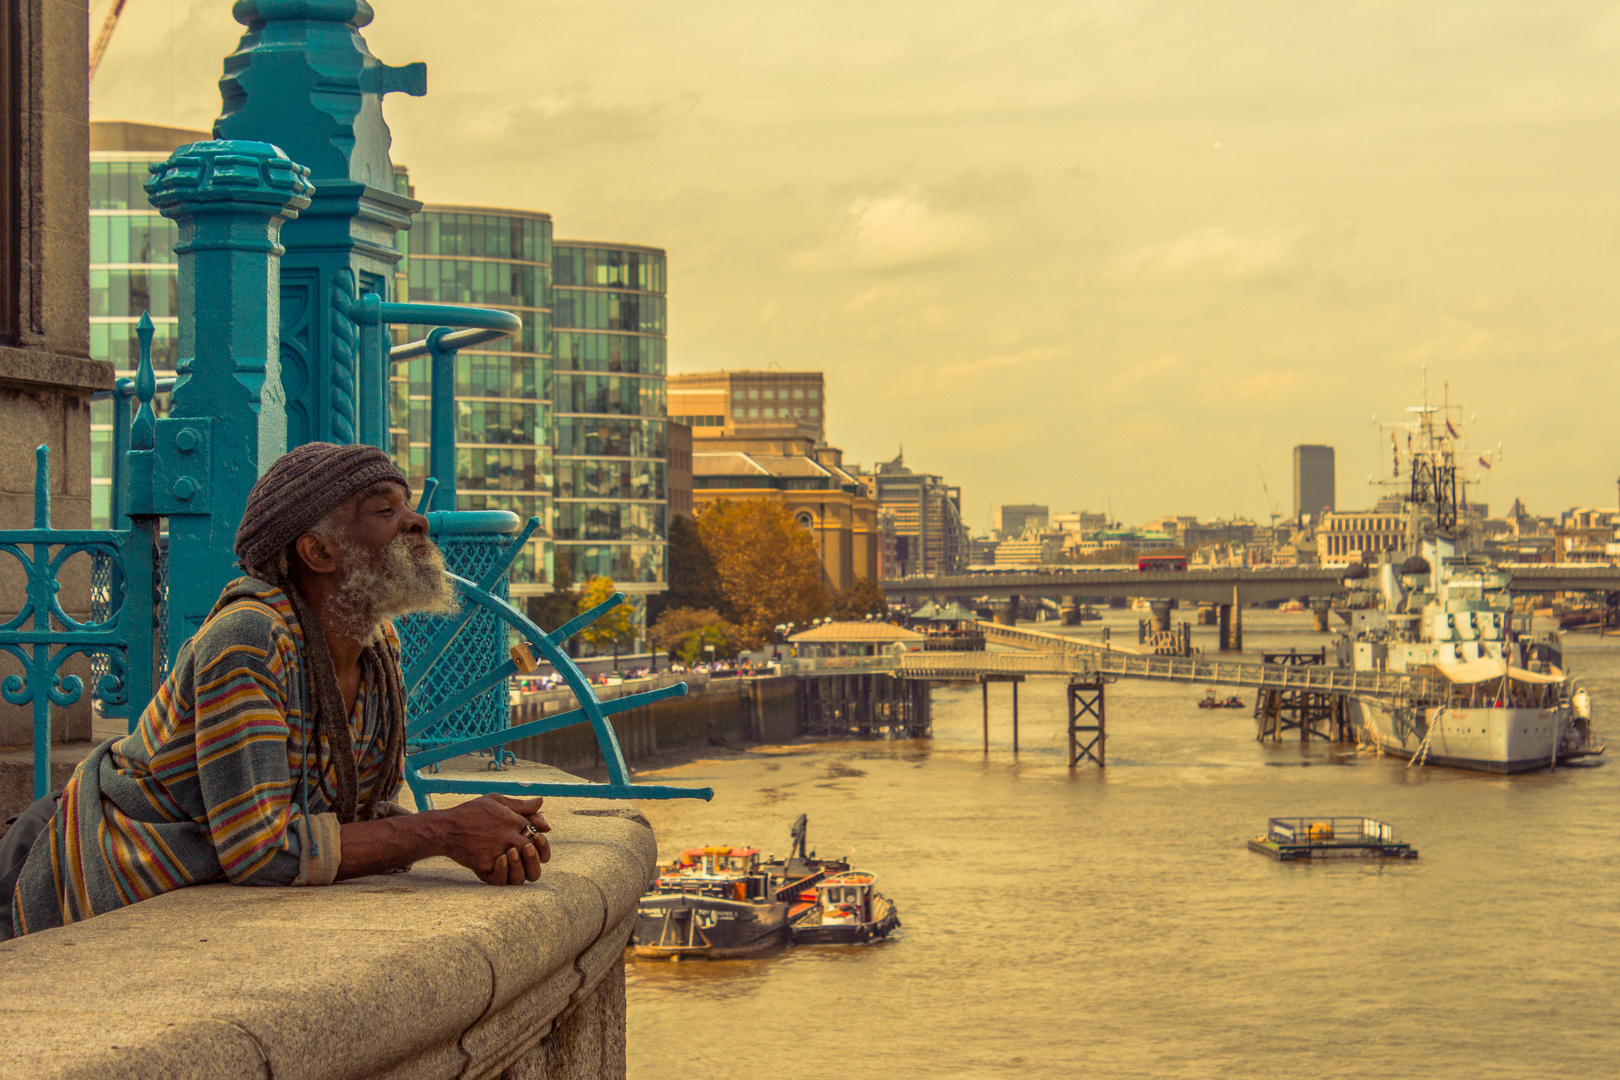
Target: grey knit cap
(302,486)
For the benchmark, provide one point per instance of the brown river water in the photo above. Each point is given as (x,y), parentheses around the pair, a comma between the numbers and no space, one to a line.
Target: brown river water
(1112,921)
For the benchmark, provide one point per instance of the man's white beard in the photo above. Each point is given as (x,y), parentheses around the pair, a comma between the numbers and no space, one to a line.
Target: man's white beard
(407,576)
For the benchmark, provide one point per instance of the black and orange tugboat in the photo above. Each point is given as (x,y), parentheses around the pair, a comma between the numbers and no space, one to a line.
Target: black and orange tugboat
(713,903)
(726,903)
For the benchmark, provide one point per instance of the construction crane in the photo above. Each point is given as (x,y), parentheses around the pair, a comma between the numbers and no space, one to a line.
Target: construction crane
(104,36)
(1267,489)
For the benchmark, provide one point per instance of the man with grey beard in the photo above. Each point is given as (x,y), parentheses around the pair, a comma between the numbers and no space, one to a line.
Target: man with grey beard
(272,753)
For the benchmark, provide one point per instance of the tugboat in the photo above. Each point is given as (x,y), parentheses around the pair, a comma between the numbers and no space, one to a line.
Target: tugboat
(1210,701)
(847,911)
(726,903)
(715,903)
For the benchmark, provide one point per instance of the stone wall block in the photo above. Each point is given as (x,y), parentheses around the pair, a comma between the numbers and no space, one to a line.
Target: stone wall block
(588,1042)
(31,417)
(102,1046)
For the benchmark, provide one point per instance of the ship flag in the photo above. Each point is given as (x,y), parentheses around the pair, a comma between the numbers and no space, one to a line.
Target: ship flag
(1451,430)
(1484,463)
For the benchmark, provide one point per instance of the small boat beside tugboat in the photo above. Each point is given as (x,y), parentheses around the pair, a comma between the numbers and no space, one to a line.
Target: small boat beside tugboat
(848,911)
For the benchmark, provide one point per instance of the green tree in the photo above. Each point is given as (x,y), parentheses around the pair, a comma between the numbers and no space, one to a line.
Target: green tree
(693,581)
(767,565)
(861,599)
(616,628)
(683,632)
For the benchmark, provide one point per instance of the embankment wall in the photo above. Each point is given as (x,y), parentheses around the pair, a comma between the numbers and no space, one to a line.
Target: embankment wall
(714,712)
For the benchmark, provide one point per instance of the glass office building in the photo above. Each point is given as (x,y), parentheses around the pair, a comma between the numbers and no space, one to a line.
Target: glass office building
(499,259)
(132,269)
(608,408)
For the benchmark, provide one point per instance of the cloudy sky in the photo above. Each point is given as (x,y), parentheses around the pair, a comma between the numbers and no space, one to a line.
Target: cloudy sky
(1072,252)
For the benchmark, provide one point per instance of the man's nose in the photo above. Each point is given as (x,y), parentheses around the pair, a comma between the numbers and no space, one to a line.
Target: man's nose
(414,522)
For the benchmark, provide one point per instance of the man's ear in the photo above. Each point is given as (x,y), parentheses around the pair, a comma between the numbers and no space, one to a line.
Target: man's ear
(316,554)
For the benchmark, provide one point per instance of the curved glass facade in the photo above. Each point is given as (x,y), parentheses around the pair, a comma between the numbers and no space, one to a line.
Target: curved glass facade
(608,405)
(499,259)
(132,269)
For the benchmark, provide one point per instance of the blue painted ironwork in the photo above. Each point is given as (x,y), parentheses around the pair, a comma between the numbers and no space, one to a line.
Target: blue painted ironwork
(41,635)
(227,418)
(591,710)
(303,78)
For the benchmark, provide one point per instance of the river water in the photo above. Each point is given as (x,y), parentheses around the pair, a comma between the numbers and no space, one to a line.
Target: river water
(1113,922)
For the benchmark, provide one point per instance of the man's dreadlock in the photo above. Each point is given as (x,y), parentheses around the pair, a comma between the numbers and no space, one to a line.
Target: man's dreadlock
(334,746)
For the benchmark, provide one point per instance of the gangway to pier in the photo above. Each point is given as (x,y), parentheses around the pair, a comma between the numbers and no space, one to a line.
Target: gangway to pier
(1018,637)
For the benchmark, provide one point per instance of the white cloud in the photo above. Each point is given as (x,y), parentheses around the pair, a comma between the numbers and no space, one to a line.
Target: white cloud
(1218,250)
(900,229)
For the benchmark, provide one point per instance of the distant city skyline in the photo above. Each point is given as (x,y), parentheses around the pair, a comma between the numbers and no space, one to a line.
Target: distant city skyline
(1065,253)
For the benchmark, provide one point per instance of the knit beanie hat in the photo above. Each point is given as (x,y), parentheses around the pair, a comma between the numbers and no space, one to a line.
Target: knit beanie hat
(302,486)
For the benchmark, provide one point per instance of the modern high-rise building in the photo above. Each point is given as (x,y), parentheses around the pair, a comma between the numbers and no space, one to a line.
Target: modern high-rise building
(132,270)
(1314,484)
(609,417)
(497,259)
(751,404)
(921,519)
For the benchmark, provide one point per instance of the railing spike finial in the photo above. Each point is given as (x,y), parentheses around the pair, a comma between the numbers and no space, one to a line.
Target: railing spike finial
(42,486)
(143,434)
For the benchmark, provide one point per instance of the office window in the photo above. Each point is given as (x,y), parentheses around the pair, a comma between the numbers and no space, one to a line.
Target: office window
(798,394)
(815,395)
(769,394)
(814,412)
(753,395)
(753,413)
(736,395)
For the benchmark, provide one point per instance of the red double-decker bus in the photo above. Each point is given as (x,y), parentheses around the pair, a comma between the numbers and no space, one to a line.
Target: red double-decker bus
(1161,562)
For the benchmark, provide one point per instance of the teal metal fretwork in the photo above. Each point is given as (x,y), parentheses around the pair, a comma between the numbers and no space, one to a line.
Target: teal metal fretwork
(303,78)
(41,635)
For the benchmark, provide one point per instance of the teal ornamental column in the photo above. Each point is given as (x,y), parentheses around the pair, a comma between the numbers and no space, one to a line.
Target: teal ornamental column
(228,417)
(303,79)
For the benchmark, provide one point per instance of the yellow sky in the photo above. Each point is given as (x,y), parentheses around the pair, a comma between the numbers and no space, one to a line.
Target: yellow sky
(1065,252)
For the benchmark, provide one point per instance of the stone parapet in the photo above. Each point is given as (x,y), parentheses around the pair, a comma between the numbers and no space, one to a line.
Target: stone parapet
(425,974)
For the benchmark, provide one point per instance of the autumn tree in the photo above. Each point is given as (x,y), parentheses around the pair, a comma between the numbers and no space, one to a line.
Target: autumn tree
(861,599)
(767,566)
(616,627)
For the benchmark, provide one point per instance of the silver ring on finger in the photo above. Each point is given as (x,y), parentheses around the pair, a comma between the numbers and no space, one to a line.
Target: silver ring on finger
(530,831)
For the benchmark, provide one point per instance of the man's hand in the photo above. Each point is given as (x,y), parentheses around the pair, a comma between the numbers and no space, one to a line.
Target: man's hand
(490,836)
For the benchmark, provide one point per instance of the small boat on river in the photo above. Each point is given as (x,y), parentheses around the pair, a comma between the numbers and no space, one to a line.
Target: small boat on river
(848,911)
(1210,701)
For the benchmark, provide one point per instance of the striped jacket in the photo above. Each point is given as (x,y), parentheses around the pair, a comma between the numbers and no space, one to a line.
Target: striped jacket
(214,783)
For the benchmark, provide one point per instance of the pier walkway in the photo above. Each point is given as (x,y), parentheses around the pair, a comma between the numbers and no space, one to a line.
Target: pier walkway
(1088,662)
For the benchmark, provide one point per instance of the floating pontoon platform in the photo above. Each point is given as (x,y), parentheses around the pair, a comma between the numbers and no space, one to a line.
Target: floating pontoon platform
(1288,839)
